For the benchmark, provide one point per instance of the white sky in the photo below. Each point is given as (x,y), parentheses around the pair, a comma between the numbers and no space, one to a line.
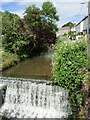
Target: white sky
(68,10)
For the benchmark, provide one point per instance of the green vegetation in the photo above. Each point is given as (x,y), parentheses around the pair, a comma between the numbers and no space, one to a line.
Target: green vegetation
(31,35)
(69,24)
(72,35)
(89,63)
(69,68)
(65,34)
(9,60)
(80,33)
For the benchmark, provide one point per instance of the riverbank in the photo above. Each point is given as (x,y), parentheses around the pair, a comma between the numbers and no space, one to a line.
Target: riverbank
(9,60)
(37,67)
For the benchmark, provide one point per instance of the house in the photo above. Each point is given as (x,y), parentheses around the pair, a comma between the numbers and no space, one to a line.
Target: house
(63,30)
(82,26)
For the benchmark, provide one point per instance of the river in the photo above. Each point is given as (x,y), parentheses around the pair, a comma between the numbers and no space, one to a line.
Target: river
(39,67)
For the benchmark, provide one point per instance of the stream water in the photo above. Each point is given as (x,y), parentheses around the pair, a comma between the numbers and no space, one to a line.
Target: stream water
(33,98)
(39,67)
(26,99)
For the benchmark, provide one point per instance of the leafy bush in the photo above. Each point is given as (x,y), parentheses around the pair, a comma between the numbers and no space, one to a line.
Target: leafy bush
(69,67)
(31,35)
(80,33)
(72,35)
(88,63)
(65,34)
(9,60)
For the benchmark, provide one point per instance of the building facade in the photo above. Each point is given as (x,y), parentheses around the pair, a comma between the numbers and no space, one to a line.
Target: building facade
(73,29)
(82,26)
(63,30)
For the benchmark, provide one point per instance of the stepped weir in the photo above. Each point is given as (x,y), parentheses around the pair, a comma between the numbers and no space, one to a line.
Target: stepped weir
(29,98)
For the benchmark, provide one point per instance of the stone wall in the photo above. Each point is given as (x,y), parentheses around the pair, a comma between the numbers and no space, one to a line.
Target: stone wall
(2,93)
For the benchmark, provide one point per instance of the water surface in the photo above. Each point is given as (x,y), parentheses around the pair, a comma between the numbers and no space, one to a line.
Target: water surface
(39,67)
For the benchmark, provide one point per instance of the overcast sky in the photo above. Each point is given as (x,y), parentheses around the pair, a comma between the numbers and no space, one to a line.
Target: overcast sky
(66,9)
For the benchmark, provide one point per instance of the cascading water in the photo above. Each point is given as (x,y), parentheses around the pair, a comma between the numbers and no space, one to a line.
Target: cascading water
(34,99)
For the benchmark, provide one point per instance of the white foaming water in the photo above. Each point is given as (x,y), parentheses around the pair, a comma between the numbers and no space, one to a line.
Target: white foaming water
(34,99)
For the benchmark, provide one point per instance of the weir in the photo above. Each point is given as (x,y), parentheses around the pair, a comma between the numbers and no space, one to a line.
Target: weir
(29,98)
(2,93)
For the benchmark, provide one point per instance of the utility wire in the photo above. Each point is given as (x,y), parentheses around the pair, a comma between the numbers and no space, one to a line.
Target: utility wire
(82,4)
(80,11)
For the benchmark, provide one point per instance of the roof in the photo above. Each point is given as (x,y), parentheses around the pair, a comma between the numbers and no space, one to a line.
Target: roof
(82,20)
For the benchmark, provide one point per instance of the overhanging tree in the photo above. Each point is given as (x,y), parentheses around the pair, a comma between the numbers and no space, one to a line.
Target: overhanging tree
(32,34)
(39,27)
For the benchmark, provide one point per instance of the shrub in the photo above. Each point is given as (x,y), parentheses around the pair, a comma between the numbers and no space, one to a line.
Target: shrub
(72,35)
(69,67)
(65,34)
(9,60)
(88,63)
(80,33)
